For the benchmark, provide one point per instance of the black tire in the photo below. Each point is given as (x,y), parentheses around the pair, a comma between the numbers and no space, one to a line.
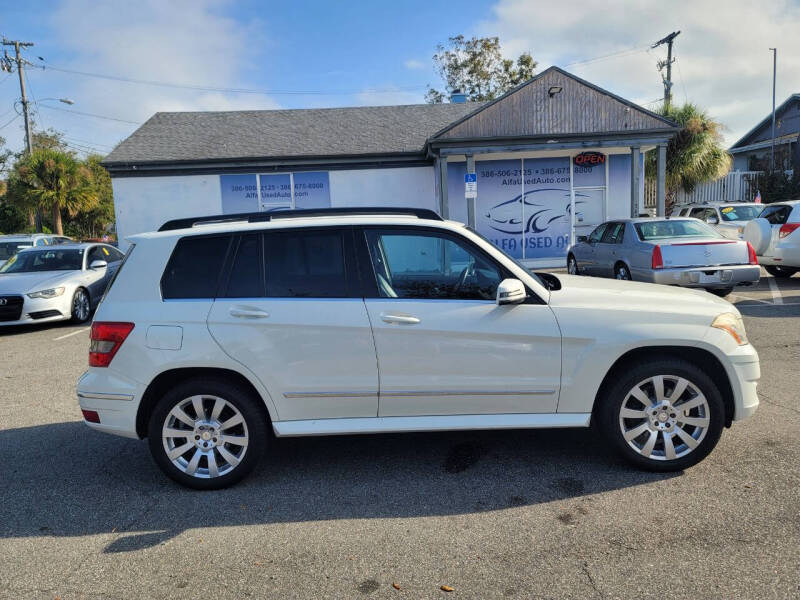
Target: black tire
(721,292)
(572,265)
(240,399)
(622,272)
(81,306)
(777,271)
(611,421)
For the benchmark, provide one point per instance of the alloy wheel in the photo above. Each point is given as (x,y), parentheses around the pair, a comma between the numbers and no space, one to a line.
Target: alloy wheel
(622,273)
(664,417)
(572,266)
(205,436)
(80,306)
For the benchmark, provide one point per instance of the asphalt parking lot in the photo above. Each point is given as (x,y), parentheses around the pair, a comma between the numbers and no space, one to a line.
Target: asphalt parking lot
(526,514)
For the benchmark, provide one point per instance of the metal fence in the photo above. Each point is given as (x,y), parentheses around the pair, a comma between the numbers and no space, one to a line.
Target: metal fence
(736,186)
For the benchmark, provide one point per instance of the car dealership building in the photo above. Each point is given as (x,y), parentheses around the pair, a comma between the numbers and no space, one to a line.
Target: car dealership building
(532,170)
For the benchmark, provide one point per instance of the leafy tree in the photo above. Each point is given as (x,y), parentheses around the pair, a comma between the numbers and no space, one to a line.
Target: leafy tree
(696,154)
(49,140)
(95,221)
(53,181)
(476,67)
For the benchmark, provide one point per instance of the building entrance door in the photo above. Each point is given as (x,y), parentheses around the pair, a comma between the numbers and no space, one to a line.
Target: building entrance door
(590,209)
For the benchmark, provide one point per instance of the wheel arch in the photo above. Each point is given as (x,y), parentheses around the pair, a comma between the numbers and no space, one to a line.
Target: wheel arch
(699,356)
(172,377)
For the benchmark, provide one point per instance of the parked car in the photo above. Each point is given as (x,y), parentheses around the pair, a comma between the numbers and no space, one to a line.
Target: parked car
(214,331)
(775,235)
(672,251)
(728,218)
(10,244)
(55,283)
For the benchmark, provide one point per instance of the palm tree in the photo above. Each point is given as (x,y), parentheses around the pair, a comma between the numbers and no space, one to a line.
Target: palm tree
(696,154)
(54,181)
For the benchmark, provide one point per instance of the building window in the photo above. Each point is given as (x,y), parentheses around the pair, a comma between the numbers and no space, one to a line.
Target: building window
(275,191)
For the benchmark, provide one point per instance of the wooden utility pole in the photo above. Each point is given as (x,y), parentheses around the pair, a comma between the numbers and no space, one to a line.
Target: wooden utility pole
(21,72)
(667,63)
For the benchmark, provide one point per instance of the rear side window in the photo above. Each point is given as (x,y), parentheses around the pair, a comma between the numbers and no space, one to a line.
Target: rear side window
(194,268)
(777,215)
(306,264)
(247,271)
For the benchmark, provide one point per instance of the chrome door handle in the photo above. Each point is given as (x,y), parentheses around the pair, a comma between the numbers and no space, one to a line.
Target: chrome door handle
(248,313)
(400,319)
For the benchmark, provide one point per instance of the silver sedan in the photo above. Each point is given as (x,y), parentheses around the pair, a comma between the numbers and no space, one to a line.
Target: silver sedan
(672,251)
(55,283)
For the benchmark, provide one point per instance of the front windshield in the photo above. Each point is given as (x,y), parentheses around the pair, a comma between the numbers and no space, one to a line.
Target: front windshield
(34,261)
(740,213)
(9,249)
(653,230)
(511,258)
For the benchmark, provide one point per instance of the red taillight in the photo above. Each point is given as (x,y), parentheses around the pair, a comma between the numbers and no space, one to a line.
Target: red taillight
(787,228)
(657,262)
(107,337)
(91,416)
(751,254)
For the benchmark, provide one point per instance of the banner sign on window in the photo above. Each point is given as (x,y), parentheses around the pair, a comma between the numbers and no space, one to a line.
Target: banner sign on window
(312,190)
(239,194)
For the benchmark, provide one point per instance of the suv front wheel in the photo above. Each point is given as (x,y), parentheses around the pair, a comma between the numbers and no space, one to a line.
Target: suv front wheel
(207,434)
(663,415)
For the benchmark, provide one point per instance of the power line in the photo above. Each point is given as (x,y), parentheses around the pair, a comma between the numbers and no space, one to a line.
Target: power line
(85,114)
(619,53)
(14,118)
(203,88)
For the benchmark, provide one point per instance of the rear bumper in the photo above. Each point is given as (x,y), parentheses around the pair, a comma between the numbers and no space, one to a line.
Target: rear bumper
(702,277)
(115,398)
(783,256)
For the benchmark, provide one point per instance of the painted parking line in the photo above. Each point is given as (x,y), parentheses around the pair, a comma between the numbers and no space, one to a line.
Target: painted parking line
(776,293)
(61,337)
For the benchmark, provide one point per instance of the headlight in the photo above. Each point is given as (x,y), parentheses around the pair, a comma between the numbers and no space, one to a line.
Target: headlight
(733,325)
(51,293)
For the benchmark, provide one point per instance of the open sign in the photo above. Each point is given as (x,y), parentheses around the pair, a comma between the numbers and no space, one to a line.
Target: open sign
(589,159)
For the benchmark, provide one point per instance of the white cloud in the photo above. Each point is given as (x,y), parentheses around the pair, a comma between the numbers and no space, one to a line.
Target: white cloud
(723,62)
(414,64)
(187,42)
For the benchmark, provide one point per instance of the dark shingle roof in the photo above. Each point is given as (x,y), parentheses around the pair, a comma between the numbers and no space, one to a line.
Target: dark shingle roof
(363,130)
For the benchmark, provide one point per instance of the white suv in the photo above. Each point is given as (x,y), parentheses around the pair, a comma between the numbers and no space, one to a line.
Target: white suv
(775,236)
(344,321)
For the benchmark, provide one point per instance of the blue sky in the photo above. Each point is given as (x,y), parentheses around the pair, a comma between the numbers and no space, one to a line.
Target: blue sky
(353,53)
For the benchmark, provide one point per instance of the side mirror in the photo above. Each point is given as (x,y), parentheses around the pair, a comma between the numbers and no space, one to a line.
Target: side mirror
(712,220)
(98,264)
(511,291)
(582,238)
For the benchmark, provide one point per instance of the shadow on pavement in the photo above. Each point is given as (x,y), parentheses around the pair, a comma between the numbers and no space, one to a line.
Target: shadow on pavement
(65,480)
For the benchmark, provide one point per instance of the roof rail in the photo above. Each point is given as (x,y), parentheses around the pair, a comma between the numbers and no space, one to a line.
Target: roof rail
(260,217)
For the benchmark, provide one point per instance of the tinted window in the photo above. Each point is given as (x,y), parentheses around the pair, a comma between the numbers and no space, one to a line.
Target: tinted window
(306,264)
(113,254)
(247,272)
(652,230)
(194,267)
(777,215)
(96,253)
(597,233)
(9,249)
(32,261)
(612,233)
(430,266)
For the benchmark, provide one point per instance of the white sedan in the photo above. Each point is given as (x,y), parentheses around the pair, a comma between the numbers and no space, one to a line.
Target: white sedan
(55,283)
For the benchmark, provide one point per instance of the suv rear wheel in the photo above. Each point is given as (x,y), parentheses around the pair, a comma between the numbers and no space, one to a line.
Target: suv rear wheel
(207,434)
(777,271)
(663,415)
